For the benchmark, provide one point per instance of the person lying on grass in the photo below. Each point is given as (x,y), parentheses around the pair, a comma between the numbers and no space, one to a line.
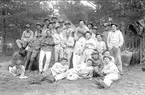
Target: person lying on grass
(110,72)
(56,72)
(18,69)
(84,70)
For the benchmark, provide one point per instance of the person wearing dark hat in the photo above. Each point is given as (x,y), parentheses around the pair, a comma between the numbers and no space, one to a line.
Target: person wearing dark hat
(27,36)
(78,48)
(110,72)
(115,41)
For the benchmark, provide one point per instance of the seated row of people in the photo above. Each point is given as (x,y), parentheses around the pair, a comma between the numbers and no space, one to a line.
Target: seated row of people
(94,67)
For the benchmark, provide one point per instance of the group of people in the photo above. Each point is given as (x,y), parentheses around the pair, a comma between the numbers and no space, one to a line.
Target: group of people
(79,52)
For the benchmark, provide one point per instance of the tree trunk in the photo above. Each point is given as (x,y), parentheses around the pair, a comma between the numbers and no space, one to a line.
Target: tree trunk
(4,31)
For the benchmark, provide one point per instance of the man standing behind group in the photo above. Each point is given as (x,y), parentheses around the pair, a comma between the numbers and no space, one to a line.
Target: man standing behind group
(82,27)
(105,33)
(45,27)
(27,36)
(57,42)
(115,40)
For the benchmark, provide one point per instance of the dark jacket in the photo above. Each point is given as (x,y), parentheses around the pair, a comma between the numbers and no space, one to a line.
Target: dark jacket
(47,44)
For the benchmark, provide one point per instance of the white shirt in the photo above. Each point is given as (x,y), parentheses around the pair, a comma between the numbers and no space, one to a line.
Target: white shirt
(94,36)
(79,45)
(115,39)
(70,42)
(82,29)
(27,36)
(58,68)
(57,40)
(90,44)
(110,68)
(44,31)
(101,46)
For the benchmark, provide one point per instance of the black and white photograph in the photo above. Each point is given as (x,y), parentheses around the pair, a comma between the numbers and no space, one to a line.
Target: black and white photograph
(72,47)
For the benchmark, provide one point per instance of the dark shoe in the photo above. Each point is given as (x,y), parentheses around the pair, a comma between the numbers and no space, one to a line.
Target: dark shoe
(103,85)
(143,69)
(35,82)
(97,82)
(48,79)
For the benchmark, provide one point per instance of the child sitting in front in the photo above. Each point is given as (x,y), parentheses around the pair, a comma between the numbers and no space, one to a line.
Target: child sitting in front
(84,70)
(110,72)
(18,69)
(57,71)
(98,64)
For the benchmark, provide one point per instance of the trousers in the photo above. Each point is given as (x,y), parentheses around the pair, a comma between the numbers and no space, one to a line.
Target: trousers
(116,53)
(109,78)
(41,58)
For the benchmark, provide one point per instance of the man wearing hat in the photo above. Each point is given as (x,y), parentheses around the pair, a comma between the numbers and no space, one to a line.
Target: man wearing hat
(55,20)
(45,27)
(78,48)
(110,72)
(38,29)
(115,40)
(27,36)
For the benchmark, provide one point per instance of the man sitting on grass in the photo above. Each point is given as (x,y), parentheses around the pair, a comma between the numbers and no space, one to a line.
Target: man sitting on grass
(18,70)
(110,72)
(16,67)
(55,73)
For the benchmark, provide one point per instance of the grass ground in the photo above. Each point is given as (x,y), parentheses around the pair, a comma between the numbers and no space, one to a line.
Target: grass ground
(132,83)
